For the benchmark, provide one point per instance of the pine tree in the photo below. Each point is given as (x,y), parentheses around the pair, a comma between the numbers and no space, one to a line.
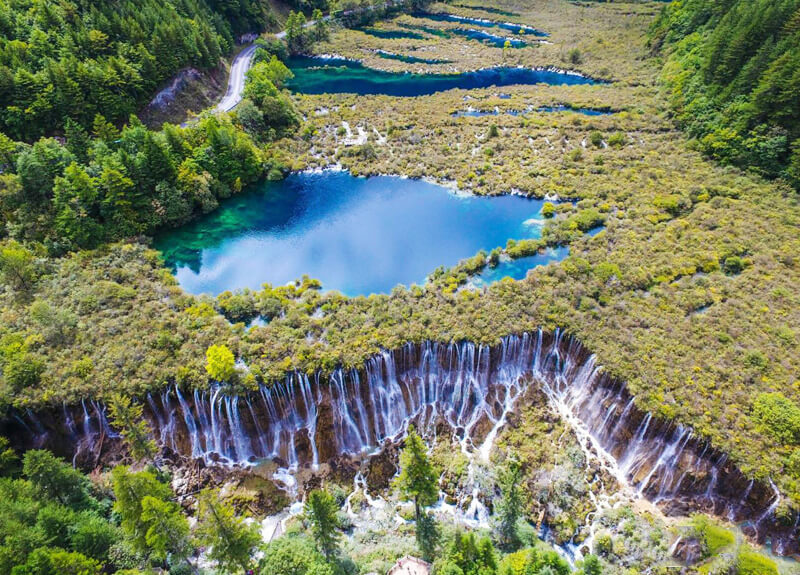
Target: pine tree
(230,541)
(130,489)
(592,566)
(127,416)
(509,508)
(417,481)
(321,511)
(167,530)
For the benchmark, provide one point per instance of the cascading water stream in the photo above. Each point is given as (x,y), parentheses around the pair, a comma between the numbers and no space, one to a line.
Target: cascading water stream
(304,422)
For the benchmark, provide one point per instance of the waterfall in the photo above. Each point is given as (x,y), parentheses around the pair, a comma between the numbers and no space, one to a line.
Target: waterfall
(304,421)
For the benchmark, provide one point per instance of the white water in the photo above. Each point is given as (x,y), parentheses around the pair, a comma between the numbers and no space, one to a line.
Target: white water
(467,386)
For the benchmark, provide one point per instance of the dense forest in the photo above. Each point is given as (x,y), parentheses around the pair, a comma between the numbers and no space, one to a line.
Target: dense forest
(73,60)
(114,183)
(733,68)
(92,171)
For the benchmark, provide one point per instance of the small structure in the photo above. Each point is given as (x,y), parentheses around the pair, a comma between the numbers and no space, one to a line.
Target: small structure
(410,566)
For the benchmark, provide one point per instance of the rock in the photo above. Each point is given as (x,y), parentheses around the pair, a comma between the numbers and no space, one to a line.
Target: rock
(382,468)
(689,550)
(168,94)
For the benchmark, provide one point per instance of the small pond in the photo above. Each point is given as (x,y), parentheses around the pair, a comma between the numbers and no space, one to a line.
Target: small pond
(356,235)
(437,32)
(519,268)
(488,38)
(331,75)
(391,34)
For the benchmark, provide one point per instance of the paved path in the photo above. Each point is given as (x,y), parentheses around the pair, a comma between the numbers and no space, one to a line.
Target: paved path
(244,60)
(241,64)
(238,74)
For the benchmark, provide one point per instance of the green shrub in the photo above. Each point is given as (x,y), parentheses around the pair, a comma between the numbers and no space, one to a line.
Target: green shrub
(751,563)
(734,265)
(606,270)
(523,248)
(617,140)
(23,371)
(778,416)
(714,537)
(588,219)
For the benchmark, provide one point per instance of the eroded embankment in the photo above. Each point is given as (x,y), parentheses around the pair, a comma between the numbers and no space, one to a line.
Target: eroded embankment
(303,422)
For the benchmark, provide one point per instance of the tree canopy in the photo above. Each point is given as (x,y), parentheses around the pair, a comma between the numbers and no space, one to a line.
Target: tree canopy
(734,72)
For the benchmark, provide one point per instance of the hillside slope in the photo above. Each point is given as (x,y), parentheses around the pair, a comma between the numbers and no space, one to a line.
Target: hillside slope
(733,68)
(74,60)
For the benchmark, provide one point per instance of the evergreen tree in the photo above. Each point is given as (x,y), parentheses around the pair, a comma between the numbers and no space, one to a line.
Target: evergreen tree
(592,566)
(468,555)
(229,539)
(130,489)
(509,509)
(417,481)
(8,459)
(54,478)
(321,511)
(321,32)
(127,416)
(167,530)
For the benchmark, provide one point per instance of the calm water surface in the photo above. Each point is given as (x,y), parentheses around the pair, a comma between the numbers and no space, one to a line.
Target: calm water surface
(519,268)
(474,113)
(509,26)
(356,235)
(327,76)
(408,59)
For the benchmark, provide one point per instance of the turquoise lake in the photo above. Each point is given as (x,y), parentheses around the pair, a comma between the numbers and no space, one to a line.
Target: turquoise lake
(356,235)
(329,75)
(509,26)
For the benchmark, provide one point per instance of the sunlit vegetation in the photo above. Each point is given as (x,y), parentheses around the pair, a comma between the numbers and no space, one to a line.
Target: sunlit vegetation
(71,61)
(732,70)
(689,293)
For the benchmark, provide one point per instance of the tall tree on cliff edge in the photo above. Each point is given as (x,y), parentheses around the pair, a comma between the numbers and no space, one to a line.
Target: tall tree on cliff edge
(418,482)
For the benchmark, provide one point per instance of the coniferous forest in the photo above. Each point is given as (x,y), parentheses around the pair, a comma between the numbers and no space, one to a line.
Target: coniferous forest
(733,70)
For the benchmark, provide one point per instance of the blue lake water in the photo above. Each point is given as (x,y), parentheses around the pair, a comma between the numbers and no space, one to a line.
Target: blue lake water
(356,235)
(391,34)
(438,32)
(519,268)
(509,26)
(473,113)
(408,59)
(488,38)
(325,75)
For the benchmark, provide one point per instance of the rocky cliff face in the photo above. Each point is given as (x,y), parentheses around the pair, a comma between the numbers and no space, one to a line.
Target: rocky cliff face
(469,390)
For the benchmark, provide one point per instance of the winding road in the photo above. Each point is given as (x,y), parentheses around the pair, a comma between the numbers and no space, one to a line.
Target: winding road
(239,67)
(244,60)
(241,64)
